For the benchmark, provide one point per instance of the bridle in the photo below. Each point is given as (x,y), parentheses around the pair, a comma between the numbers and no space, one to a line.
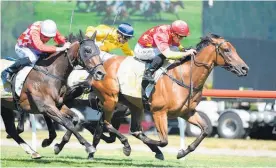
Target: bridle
(78,60)
(218,52)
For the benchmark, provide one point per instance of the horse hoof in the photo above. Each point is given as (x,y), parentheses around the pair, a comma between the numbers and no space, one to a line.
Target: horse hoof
(181,153)
(36,156)
(91,149)
(56,149)
(8,136)
(45,143)
(127,150)
(159,156)
(91,156)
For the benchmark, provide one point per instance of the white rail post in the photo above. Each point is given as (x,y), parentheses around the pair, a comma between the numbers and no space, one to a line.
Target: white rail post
(182,127)
(33,122)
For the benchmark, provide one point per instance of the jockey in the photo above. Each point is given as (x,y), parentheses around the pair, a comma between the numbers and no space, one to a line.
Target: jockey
(31,43)
(160,43)
(111,38)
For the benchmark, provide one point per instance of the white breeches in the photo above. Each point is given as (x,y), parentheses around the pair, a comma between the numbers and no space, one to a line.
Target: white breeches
(105,56)
(144,53)
(27,52)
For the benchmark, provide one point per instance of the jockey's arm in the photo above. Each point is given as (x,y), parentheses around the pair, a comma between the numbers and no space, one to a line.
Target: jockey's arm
(181,48)
(39,45)
(126,50)
(101,34)
(59,39)
(162,43)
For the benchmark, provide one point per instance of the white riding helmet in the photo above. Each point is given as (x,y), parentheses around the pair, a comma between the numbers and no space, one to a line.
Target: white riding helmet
(48,28)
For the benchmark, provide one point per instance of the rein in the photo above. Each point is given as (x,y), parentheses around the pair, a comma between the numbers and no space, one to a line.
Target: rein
(191,87)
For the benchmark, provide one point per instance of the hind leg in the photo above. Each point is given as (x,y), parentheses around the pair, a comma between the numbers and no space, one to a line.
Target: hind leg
(195,119)
(52,132)
(8,118)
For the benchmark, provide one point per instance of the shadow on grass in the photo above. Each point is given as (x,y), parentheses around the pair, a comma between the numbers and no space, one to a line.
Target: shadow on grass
(79,161)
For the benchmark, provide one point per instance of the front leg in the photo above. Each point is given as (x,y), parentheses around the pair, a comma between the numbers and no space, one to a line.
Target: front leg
(136,131)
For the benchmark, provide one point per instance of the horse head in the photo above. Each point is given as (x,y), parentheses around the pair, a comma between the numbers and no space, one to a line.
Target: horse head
(86,53)
(224,54)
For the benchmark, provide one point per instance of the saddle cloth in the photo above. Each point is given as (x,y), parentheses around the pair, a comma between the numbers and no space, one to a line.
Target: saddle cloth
(19,80)
(130,75)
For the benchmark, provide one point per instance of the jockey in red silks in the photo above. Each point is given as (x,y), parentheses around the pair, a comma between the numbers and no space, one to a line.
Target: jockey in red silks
(31,43)
(160,43)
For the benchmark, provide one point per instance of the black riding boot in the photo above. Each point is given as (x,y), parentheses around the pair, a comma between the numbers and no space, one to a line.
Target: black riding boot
(7,74)
(154,65)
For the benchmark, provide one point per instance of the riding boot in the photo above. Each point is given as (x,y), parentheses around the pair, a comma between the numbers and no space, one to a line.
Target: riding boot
(154,65)
(7,74)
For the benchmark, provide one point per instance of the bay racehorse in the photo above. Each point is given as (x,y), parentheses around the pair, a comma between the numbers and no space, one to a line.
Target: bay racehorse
(176,93)
(45,86)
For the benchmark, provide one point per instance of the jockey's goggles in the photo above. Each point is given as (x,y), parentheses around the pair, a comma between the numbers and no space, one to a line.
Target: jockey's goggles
(179,36)
(125,37)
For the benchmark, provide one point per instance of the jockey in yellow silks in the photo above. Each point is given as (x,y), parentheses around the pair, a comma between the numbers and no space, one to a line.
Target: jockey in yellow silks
(109,38)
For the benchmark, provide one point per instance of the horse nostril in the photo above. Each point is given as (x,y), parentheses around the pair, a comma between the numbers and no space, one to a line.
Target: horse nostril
(100,74)
(245,68)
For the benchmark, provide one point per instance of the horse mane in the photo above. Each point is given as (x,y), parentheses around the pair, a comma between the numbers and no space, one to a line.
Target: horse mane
(206,40)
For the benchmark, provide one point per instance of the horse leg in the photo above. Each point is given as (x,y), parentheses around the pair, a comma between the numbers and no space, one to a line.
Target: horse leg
(65,139)
(46,105)
(56,115)
(115,122)
(20,126)
(195,119)
(8,119)
(136,130)
(108,108)
(52,132)
(98,132)
(21,119)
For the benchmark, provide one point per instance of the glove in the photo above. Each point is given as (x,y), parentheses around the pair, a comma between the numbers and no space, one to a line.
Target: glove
(65,46)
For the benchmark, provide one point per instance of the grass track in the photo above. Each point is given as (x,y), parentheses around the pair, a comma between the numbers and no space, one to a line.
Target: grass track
(13,156)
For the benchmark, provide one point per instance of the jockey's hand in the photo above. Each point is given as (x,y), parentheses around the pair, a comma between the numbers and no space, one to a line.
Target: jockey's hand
(64,47)
(192,52)
(67,45)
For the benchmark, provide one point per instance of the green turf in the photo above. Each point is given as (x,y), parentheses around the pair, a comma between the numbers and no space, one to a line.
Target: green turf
(15,157)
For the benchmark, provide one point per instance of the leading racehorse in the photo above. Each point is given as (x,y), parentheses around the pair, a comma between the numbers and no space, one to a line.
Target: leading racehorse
(176,93)
(44,89)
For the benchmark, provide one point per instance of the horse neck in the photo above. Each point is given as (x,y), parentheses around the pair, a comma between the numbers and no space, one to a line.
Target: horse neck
(60,66)
(200,73)
(63,66)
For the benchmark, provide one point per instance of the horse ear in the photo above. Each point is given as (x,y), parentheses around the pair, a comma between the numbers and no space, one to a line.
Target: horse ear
(70,37)
(94,35)
(81,35)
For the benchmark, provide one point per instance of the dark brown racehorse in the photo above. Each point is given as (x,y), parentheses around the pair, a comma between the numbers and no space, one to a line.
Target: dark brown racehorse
(44,89)
(176,94)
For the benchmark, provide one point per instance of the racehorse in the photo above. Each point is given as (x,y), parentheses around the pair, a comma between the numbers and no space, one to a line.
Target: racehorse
(44,89)
(176,93)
